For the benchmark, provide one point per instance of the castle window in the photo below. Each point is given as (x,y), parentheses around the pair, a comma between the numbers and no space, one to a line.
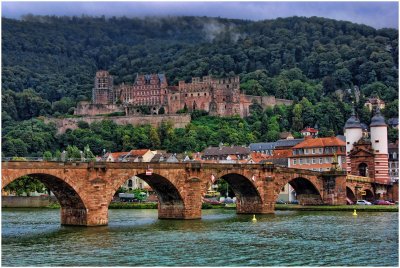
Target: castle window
(198,94)
(186,95)
(205,94)
(191,95)
(227,86)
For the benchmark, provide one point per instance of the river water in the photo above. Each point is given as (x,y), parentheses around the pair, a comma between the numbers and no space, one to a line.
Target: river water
(34,237)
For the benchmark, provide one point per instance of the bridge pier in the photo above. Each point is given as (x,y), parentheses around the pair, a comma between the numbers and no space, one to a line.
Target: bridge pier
(84,217)
(188,208)
(254,207)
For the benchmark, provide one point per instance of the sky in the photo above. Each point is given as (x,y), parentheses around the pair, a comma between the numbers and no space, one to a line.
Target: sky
(375,14)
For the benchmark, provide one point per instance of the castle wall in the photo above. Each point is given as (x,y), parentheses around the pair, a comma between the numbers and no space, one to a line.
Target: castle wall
(87,108)
(265,101)
(178,121)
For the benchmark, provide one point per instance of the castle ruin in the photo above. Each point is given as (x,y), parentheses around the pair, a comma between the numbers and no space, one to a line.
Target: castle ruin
(151,94)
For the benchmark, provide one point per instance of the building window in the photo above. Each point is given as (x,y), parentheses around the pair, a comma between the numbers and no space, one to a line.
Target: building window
(295,161)
(320,160)
(363,170)
(320,150)
(313,151)
(300,161)
(313,160)
(305,151)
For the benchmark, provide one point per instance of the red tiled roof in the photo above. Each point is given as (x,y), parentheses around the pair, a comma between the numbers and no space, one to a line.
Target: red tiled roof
(117,154)
(320,142)
(257,157)
(233,157)
(139,152)
(309,129)
(282,154)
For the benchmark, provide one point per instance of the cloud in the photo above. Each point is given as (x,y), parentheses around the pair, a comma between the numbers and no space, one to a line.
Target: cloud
(376,14)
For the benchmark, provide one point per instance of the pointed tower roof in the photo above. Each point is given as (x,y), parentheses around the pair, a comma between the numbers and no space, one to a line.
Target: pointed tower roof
(353,121)
(377,120)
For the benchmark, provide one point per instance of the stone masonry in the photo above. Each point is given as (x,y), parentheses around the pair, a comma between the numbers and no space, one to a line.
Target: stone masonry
(218,96)
(85,190)
(177,120)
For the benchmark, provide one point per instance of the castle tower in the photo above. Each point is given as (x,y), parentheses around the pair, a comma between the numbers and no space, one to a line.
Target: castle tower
(103,91)
(379,142)
(353,133)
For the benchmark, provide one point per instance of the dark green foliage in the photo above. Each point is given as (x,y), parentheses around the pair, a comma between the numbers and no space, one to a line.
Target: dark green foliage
(25,185)
(393,134)
(48,65)
(47,156)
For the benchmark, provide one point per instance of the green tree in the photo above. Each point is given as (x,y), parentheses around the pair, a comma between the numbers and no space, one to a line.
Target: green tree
(297,120)
(73,153)
(154,138)
(25,185)
(88,153)
(47,156)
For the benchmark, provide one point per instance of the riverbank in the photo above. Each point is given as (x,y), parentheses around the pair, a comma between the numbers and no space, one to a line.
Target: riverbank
(338,208)
(123,205)
(373,208)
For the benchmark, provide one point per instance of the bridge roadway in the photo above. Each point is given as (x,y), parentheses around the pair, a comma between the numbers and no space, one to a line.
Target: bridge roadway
(85,189)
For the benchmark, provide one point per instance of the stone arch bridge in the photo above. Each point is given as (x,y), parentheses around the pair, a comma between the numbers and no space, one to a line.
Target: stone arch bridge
(85,189)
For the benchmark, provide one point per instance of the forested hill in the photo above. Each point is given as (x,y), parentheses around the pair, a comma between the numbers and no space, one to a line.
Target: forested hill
(49,63)
(58,57)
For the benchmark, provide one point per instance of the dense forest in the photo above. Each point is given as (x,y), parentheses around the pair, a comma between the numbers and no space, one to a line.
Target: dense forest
(49,64)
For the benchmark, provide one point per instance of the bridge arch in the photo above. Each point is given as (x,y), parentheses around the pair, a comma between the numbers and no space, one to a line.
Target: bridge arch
(350,195)
(248,197)
(369,195)
(308,188)
(73,208)
(172,201)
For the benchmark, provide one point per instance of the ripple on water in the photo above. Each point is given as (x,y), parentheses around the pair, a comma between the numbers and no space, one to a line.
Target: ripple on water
(221,238)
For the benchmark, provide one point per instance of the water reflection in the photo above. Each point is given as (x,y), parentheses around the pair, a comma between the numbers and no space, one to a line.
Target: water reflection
(220,238)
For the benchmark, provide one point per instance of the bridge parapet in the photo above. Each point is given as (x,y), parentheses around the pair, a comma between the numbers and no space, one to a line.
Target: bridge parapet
(179,186)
